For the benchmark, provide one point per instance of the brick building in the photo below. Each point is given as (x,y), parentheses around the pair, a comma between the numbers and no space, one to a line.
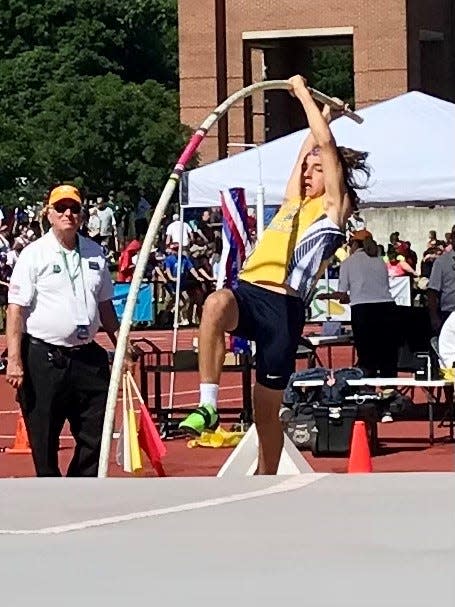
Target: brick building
(397,45)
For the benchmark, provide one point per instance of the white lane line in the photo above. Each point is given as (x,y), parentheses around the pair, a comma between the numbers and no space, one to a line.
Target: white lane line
(292,483)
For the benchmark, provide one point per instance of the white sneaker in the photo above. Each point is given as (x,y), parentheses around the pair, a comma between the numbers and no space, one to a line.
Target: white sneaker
(386,418)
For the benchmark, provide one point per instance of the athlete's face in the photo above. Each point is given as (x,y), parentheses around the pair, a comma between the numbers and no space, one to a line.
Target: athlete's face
(312,176)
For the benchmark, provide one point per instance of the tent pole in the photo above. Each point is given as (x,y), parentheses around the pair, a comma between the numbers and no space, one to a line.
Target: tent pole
(327,287)
(178,289)
(260,200)
(260,192)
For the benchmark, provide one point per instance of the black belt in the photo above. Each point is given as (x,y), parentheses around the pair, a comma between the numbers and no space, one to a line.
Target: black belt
(40,342)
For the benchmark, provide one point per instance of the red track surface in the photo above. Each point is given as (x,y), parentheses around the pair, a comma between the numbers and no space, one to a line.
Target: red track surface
(404,445)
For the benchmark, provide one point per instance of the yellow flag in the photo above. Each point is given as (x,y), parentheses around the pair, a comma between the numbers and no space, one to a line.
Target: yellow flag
(136,458)
(123,451)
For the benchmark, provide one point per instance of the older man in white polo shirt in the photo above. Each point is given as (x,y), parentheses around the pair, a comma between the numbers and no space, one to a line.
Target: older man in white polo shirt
(60,292)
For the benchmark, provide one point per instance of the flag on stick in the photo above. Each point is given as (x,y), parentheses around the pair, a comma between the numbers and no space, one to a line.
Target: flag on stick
(149,439)
(123,453)
(136,458)
(236,245)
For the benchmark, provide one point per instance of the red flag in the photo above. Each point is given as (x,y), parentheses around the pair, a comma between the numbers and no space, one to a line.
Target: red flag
(150,441)
(148,437)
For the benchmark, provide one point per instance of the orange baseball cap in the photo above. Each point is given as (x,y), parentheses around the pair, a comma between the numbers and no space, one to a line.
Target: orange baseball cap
(361,235)
(64,192)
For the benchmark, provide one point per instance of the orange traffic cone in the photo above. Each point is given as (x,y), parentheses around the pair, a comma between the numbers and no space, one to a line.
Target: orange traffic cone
(360,457)
(21,445)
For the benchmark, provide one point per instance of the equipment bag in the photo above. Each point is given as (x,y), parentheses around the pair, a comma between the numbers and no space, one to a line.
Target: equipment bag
(321,419)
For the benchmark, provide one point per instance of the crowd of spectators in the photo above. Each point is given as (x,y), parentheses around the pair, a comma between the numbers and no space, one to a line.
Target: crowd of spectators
(120,229)
(201,242)
(398,254)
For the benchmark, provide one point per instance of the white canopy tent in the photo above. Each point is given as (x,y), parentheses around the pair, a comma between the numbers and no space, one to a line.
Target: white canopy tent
(412,155)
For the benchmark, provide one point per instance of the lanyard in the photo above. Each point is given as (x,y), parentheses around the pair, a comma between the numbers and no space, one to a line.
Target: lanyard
(81,312)
(73,275)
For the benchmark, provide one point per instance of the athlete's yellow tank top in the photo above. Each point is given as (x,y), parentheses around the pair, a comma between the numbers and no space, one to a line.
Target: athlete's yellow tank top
(293,246)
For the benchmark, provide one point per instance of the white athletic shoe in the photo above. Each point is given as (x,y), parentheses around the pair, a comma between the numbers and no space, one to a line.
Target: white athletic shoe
(386,418)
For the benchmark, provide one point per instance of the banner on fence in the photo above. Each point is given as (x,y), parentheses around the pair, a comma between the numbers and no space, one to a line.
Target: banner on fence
(400,288)
(144,309)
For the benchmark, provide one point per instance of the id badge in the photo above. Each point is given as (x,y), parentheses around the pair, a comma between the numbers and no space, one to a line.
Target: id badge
(82,332)
(80,311)
(82,319)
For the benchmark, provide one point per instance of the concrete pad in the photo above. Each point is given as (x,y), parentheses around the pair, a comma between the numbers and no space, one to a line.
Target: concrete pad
(350,540)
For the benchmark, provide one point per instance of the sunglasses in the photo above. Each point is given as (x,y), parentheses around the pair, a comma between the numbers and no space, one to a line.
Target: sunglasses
(74,207)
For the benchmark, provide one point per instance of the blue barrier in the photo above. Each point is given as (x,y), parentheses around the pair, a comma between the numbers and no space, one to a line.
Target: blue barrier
(144,310)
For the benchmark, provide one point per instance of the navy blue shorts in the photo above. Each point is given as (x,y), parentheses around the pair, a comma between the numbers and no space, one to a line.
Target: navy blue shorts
(275,322)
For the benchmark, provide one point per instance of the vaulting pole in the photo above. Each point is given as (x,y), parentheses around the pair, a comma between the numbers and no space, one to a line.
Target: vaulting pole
(188,153)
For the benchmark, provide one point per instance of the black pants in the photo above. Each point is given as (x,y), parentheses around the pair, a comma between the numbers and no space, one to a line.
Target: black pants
(64,384)
(376,338)
(140,227)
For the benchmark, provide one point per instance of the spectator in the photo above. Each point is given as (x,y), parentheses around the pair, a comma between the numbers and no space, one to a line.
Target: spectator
(204,267)
(397,266)
(35,226)
(216,216)
(187,271)
(394,242)
(141,216)
(30,235)
(59,296)
(205,228)
(5,275)
(410,257)
(441,290)
(364,284)
(428,259)
(198,288)
(355,223)
(216,265)
(108,231)
(13,255)
(179,234)
(22,236)
(433,240)
(448,242)
(154,273)
(446,343)
(126,264)
(94,225)
(251,220)
(4,242)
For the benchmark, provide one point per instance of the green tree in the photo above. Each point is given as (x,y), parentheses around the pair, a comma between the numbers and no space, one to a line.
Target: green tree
(332,71)
(108,134)
(136,39)
(88,92)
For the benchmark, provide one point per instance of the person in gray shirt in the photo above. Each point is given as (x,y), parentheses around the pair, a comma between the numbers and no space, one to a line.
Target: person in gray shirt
(441,289)
(364,283)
